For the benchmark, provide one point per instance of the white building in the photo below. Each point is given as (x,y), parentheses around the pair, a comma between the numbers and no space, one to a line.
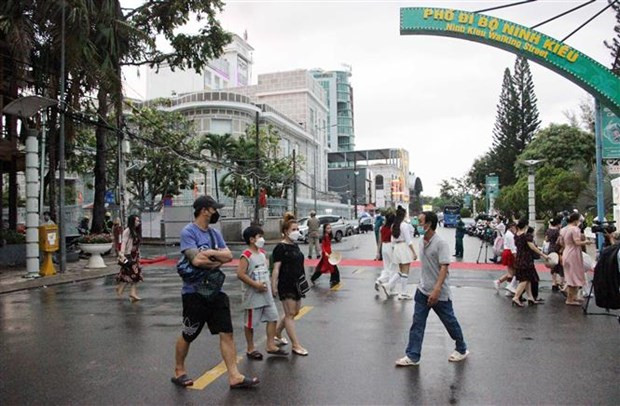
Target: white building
(232,69)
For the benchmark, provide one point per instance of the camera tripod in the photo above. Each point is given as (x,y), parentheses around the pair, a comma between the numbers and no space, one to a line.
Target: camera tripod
(484,243)
(585,305)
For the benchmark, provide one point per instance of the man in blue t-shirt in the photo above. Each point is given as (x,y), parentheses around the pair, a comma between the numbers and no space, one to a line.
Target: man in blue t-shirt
(205,248)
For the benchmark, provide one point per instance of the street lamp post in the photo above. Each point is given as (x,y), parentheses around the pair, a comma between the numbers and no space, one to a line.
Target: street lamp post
(531,189)
(25,108)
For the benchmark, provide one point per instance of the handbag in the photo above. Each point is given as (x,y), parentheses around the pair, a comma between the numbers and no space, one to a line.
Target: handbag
(302,285)
(212,284)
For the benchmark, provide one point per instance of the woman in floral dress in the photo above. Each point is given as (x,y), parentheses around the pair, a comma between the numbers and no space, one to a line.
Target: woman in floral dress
(129,259)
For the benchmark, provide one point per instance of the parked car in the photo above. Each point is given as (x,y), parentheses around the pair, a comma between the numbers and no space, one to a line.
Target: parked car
(339,227)
(366,224)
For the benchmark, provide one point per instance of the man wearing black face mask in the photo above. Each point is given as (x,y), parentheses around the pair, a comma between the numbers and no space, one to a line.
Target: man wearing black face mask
(205,249)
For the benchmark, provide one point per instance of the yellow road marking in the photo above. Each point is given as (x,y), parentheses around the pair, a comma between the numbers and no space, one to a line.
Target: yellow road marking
(303,311)
(360,270)
(220,369)
(211,375)
(336,287)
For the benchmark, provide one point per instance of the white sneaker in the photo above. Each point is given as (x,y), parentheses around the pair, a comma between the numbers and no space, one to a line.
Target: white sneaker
(406,362)
(496,284)
(510,294)
(377,286)
(405,296)
(457,356)
(511,288)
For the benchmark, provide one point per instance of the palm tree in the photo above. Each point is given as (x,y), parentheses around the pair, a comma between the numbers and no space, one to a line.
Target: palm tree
(220,147)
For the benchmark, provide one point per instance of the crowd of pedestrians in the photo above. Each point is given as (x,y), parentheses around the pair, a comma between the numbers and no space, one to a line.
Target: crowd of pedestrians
(562,251)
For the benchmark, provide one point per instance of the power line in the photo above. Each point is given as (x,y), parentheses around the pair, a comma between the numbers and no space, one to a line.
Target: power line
(563,14)
(589,20)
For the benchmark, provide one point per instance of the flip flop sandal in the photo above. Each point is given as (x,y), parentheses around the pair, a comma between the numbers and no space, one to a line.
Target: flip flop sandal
(255,355)
(281,341)
(182,381)
(279,351)
(302,353)
(246,383)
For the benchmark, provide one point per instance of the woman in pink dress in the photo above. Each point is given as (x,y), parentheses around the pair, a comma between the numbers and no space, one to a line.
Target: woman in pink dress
(572,259)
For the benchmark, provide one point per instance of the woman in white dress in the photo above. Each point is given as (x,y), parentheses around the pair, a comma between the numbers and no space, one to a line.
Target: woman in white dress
(403,254)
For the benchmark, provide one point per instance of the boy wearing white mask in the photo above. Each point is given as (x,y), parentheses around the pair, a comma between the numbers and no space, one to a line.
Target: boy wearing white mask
(258,299)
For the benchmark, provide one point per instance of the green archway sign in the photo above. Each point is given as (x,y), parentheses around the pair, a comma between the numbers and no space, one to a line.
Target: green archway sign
(579,68)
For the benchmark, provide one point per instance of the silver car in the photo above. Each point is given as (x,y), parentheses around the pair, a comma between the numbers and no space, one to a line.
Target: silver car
(339,227)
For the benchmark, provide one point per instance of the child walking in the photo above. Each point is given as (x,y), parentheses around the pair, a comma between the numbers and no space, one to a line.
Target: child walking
(257,297)
(324,266)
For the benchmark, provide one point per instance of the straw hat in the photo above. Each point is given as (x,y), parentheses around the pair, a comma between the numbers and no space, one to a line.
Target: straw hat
(335,258)
(552,260)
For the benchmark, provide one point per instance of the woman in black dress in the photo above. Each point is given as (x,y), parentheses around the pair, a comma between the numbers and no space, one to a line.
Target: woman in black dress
(288,266)
(551,236)
(524,264)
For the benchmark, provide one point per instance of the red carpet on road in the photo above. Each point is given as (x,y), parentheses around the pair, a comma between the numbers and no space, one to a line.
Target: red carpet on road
(472,266)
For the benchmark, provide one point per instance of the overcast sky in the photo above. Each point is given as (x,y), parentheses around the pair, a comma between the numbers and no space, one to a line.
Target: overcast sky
(434,96)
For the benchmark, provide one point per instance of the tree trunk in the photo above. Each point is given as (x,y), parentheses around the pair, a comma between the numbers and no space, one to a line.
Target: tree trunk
(100,161)
(217,192)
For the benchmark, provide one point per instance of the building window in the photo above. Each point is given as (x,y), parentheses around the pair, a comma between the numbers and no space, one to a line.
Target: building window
(379,182)
(221,126)
(208,78)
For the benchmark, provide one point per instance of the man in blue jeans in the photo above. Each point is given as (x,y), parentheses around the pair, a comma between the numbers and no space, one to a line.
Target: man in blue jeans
(433,293)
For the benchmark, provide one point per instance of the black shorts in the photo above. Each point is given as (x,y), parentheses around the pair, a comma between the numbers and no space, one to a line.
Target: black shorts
(197,311)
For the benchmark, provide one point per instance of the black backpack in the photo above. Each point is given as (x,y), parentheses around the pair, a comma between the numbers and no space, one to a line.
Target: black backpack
(607,279)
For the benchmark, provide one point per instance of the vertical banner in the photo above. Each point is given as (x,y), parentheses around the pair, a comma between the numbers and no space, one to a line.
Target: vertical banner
(610,126)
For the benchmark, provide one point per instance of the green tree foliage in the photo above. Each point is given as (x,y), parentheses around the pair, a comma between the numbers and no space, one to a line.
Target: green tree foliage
(614,44)
(505,148)
(101,38)
(220,147)
(556,189)
(528,121)
(159,169)
(482,166)
(562,146)
(274,171)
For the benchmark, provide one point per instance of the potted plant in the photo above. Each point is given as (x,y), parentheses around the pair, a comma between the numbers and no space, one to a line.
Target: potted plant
(12,248)
(95,245)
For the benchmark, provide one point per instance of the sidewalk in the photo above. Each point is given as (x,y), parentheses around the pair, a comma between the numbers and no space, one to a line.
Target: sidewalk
(11,279)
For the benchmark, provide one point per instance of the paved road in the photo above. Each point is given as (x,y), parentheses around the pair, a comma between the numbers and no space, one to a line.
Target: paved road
(79,344)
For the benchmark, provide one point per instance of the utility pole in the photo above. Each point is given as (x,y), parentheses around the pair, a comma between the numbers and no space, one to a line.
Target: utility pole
(61,151)
(256,169)
(294,185)
(315,165)
(355,185)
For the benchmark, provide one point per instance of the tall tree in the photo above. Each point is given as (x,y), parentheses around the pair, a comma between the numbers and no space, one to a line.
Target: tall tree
(527,111)
(505,132)
(220,146)
(614,44)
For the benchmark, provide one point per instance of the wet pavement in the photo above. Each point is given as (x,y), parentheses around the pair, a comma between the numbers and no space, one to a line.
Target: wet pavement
(80,344)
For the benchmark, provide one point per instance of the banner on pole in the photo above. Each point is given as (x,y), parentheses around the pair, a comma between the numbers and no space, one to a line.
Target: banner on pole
(610,127)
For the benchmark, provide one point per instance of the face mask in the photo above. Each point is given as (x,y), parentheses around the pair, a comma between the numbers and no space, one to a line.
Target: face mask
(421,230)
(260,243)
(214,218)
(294,236)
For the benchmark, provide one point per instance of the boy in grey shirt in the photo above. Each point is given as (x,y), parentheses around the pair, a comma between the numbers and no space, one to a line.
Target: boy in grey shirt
(433,293)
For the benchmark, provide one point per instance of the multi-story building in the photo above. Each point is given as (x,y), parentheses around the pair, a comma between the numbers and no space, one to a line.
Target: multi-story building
(231,113)
(232,69)
(340,108)
(298,96)
(388,170)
